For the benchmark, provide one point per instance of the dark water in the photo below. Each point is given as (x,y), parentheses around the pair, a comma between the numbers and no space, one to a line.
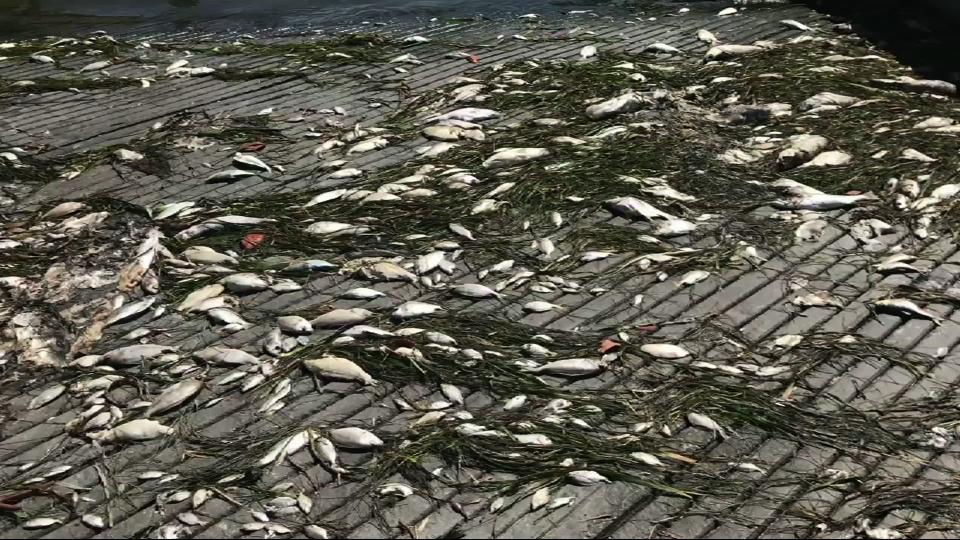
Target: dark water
(30,18)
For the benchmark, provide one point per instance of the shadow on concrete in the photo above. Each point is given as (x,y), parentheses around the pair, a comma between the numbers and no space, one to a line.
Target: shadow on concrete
(922,34)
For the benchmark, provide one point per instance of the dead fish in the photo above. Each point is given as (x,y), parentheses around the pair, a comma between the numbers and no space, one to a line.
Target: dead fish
(515,403)
(588,51)
(133,431)
(375,143)
(293,324)
(544,246)
(664,350)
(341,317)
(707,36)
(130,310)
(475,290)
(533,439)
(821,202)
(810,231)
(539,499)
(226,356)
(46,397)
(830,158)
(95,66)
(635,209)
(915,155)
(227,317)
(337,368)
(722,52)
(64,209)
(586,478)
(539,306)
(906,308)
(705,422)
(460,230)
(174,396)
(415,309)
(326,196)
(248,161)
(229,175)
(572,367)
(795,25)
(801,148)
(897,268)
(41,59)
(692,278)
(93,521)
(674,227)
(452,393)
(362,293)
(827,99)
(286,447)
(135,354)
(626,103)
(429,262)
(505,157)
(817,299)
(469,114)
(315,531)
(662,48)
(355,438)
(41,523)
(333,228)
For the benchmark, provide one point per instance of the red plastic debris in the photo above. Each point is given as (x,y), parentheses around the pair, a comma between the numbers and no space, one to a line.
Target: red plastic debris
(254,146)
(473,59)
(648,328)
(253,240)
(609,345)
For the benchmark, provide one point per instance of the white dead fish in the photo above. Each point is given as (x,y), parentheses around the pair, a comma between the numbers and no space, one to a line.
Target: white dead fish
(346,173)
(285,447)
(452,393)
(539,499)
(588,51)
(506,157)
(722,52)
(341,317)
(830,158)
(572,367)
(662,48)
(469,114)
(42,59)
(539,306)
(827,99)
(362,293)
(475,290)
(429,262)
(135,354)
(810,231)
(626,103)
(906,308)
(129,311)
(544,246)
(647,459)
(533,439)
(586,478)
(337,368)
(674,227)
(401,491)
(707,36)
(41,523)
(46,397)
(355,438)
(635,209)
(174,396)
(817,299)
(95,66)
(315,531)
(796,25)
(293,324)
(93,521)
(705,422)
(821,202)
(915,155)
(251,162)
(64,209)
(326,196)
(460,230)
(225,356)
(692,278)
(133,431)
(229,175)
(414,308)
(664,350)
(515,403)
(199,295)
